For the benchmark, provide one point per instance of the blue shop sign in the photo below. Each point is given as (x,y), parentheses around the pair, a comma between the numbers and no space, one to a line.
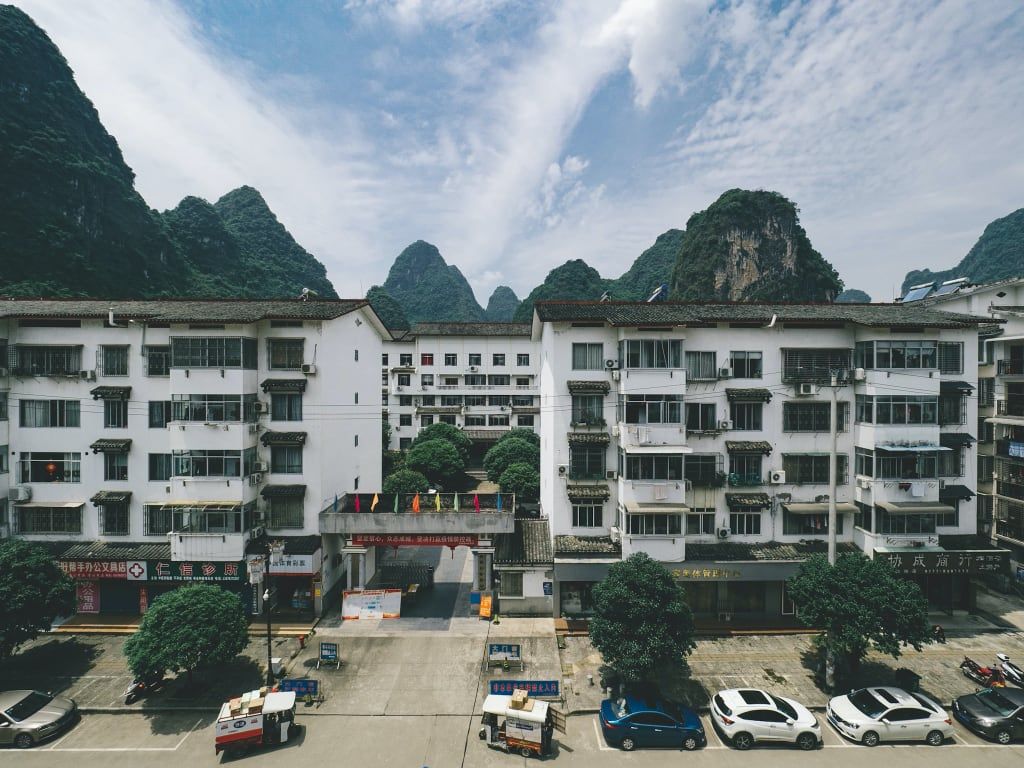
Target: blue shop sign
(302,688)
(548,688)
(328,651)
(1016,449)
(547,588)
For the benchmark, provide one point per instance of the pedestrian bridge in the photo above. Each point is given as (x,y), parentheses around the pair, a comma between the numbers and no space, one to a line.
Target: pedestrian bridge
(481,515)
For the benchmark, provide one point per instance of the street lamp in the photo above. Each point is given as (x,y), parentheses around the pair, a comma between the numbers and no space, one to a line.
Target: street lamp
(274,551)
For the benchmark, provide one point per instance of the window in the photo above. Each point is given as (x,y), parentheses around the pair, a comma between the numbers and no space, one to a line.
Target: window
(3,405)
(809,525)
(813,365)
(404,379)
(475,420)
(522,401)
(208,463)
(499,400)
(986,466)
(157,520)
(700,522)
(285,354)
(896,354)
(49,519)
(498,358)
(426,358)
(653,467)
(746,365)
(510,584)
(953,409)
(864,462)
(524,420)
(909,465)
(384,359)
(451,401)
(499,380)
(405,360)
(476,400)
(49,413)
(652,409)
(703,470)
(587,357)
(588,410)
(747,523)
(115,360)
(951,357)
(865,409)
(286,406)
(405,419)
(214,408)
(700,417)
(476,380)
(113,519)
(159,413)
(745,468)
(986,392)
(475,358)
(47,360)
(812,416)
(451,359)
(890,523)
(160,466)
(746,416)
(651,353)
(158,360)
(587,516)
(586,462)
(900,409)
(286,512)
(426,420)
(448,418)
(214,352)
(701,366)
(522,359)
(286,459)
(404,443)
(951,463)
(229,518)
(115,466)
(812,468)
(654,525)
(426,379)
(497,420)
(115,414)
(405,401)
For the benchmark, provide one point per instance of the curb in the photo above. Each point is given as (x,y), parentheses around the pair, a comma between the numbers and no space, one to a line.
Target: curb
(145,711)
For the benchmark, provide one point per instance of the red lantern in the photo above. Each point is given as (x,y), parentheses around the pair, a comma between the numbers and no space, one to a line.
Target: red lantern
(51,468)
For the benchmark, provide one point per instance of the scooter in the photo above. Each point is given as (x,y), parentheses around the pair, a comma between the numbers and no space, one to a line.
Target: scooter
(990,677)
(140,687)
(1011,671)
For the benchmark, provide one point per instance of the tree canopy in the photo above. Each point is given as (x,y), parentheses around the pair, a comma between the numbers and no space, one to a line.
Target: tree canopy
(521,479)
(438,460)
(406,481)
(521,433)
(641,625)
(860,603)
(33,592)
(441,431)
(196,625)
(505,453)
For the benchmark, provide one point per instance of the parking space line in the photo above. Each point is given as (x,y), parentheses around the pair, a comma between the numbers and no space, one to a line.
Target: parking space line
(600,739)
(712,733)
(190,730)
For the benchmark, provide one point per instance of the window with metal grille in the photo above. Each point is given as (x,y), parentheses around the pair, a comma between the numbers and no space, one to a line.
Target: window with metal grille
(48,520)
(286,512)
(156,519)
(812,468)
(814,366)
(115,360)
(951,357)
(48,360)
(214,352)
(114,519)
(285,354)
(588,409)
(812,417)
(586,462)
(511,584)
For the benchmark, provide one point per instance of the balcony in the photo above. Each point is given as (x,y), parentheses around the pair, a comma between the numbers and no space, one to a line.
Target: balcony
(183,435)
(1010,407)
(644,380)
(353,515)
(663,548)
(1010,367)
(736,480)
(652,434)
(1010,449)
(907,490)
(633,493)
(813,365)
(190,546)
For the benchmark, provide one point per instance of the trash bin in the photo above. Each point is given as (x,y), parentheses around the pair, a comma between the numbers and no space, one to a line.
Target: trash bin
(907,679)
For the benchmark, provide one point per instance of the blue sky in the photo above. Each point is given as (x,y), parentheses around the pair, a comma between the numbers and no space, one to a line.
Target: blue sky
(517,135)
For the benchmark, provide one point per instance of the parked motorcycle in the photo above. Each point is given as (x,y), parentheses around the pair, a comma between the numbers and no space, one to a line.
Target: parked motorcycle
(990,677)
(1010,671)
(141,687)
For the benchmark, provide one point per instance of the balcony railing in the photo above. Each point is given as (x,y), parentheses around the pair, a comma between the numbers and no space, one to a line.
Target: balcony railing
(744,481)
(1010,367)
(706,479)
(587,474)
(1011,407)
(404,503)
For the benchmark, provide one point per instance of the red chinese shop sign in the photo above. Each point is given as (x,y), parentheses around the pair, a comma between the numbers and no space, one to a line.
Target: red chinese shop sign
(87,597)
(415,540)
(130,570)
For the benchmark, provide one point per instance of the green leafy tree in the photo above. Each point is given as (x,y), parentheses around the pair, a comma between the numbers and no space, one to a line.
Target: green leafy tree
(505,453)
(385,433)
(191,626)
(860,604)
(406,481)
(521,433)
(33,592)
(438,460)
(521,479)
(642,625)
(441,431)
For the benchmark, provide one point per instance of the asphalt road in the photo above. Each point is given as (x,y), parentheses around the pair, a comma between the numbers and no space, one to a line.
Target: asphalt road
(181,738)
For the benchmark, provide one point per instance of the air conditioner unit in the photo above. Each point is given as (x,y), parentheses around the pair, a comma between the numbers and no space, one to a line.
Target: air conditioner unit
(260,466)
(309,369)
(725,373)
(563,469)
(399,388)
(777,477)
(610,474)
(259,407)
(87,375)
(615,534)
(615,430)
(398,429)
(257,532)
(806,389)
(616,374)
(473,368)
(254,429)
(503,408)
(20,493)
(725,424)
(611,364)
(863,482)
(859,374)
(723,533)
(256,478)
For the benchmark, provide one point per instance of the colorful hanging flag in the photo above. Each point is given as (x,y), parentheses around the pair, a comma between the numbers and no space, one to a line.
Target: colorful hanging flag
(373,504)
(437,501)
(357,503)
(476,502)
(396,503)
(456,502)
(416,502)
(497,501)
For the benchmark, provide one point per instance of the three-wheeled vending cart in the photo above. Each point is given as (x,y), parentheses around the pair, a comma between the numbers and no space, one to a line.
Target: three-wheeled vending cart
(256,719)
(517,724)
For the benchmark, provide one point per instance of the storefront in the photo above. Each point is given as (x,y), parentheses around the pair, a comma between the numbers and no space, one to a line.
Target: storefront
(296,578)
(580,563)
(945,574)
(523,566)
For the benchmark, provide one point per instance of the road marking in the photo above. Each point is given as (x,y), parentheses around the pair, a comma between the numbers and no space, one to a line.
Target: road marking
(600,739)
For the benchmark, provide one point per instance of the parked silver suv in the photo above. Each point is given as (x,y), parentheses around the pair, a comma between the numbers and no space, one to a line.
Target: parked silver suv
(29,717)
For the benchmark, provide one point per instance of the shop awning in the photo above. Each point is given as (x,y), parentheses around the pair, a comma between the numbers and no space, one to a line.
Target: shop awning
(914,507)
(283,438)
(748,394)
(110,393)
(955,439)
(110,445)
(897,448)
(589,438)
(955,493)
(587,492)
(761,500)
(283,491)
(819,507)
(655,507)
(748,446)
(50,504)
(955,387)
(657,449)
(589,387)
(111,497)
(284,385)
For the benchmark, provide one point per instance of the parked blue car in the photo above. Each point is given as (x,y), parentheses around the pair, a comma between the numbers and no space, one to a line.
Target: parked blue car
(632,722)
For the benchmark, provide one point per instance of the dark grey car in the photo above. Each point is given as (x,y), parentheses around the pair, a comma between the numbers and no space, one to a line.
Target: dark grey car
(29,717)
(996,713)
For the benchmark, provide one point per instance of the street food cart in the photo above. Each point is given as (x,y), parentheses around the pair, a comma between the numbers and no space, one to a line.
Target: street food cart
(256,719)
(517,723)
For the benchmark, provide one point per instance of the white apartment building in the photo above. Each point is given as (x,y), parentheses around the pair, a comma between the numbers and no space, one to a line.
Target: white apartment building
(480,377)
(154,443)
(700,434)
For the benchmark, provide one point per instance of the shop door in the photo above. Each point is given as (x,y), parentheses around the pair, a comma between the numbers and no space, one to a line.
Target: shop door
(119,596)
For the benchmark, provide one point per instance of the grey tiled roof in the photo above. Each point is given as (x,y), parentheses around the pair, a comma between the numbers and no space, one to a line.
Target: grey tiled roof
(769,550)
(283,385)
(748,393)
(110,497)
(586,545)
(748,446)
(106,550)
(583,387)
(591,438)
(110,393)
(114,445)
(283,438)
(680,313)
(748,500)
(588,492)
(183,310)
(470,329)
(280,491)
(530,544)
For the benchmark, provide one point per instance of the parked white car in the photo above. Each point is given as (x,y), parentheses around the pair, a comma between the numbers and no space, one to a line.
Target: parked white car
(872,715)
(749,715)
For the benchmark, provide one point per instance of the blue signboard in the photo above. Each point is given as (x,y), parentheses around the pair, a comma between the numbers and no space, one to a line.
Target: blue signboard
(504,652)
(532,687)
(302,688)
(1016,450)
(547,588)
(328,651)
